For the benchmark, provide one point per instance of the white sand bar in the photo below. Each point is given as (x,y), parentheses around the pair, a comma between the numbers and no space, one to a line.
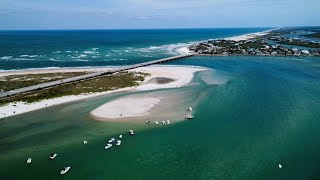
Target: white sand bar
(125,108)
(181,75)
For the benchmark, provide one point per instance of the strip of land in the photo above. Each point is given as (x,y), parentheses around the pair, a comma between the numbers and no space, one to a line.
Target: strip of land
(140,79)
(249,36)
(41,86)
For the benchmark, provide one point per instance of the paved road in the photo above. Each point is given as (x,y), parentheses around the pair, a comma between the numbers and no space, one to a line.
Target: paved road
(87,76)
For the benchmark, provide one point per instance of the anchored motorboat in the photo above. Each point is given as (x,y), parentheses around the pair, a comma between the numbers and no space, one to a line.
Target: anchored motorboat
(64,170)
(168,121)
(148,122)
(189,117)
(190,109)
(120,136)
(164,123)
(109,145)
(118,143)
(156,122)
(131,132)
(52,156)
(280,166)
(111,140)
(85,142)
(29,161)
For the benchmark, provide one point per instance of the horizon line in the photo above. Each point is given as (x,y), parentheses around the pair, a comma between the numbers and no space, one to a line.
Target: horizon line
(99,29)
(140,28)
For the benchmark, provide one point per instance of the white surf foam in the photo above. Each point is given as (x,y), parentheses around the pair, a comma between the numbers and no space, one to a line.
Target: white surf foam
(6,57)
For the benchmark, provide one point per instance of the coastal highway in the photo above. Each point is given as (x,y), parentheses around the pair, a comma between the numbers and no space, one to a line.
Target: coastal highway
(87,76)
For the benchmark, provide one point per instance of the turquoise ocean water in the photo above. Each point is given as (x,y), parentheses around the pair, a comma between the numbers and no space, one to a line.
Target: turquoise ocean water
(265,113)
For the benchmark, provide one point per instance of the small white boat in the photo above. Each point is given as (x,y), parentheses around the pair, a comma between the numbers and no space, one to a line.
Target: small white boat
(120,136)
(64,170)
(111,140)
(280,166)
(168,121)
(29,161)
(189,117)
(118,143)
(156,122)
(108,146)
(85,142)
(52,156)
(164,123)
(190,109)
(131,132)
(148,122)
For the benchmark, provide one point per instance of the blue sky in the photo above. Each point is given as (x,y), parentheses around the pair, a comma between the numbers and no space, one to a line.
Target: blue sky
(132,14)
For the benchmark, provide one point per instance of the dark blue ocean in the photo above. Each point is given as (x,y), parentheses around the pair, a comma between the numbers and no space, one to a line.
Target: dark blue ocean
(79,48)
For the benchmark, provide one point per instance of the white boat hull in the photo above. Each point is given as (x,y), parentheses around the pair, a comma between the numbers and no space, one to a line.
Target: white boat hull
(118,143)
(108,146)
(29,160)
(53,156)
(65,170)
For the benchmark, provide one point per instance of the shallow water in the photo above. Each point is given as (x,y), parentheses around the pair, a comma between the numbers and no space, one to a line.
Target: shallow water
(265,113)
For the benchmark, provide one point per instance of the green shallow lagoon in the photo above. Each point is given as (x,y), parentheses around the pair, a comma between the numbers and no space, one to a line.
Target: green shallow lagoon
(266,112)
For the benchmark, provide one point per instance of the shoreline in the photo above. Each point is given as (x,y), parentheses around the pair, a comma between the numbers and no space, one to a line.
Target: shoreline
(181,76)
(249,36)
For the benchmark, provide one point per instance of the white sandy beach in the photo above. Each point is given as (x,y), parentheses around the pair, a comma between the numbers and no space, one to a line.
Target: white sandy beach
(184,50)
(249,36)
(180,76)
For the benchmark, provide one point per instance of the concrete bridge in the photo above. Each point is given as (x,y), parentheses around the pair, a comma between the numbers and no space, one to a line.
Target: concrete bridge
(87,76)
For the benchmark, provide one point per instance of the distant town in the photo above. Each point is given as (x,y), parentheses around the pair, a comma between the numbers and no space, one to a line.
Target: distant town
(273,43)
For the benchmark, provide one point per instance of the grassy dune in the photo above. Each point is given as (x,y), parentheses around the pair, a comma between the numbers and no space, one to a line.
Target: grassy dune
(101,84)
(8,83)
